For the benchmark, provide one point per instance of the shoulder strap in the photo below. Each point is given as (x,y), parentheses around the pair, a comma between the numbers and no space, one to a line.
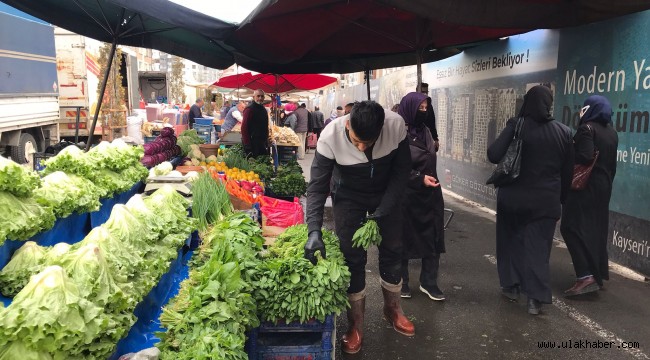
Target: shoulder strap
(520,125)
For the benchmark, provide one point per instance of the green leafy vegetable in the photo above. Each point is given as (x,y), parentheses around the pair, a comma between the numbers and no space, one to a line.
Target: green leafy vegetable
(17,179)
(367,235)
(288,287)
(25,262)
(67,194)
(210,200)
(292,184)
(22,218)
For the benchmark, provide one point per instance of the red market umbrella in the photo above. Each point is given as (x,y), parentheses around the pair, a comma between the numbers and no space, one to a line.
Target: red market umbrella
(275,83)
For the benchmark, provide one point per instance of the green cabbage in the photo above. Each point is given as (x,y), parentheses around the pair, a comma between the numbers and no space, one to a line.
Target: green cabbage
(17,179)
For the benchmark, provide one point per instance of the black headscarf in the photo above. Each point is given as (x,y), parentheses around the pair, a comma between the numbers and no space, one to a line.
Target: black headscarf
(537,104)
(408,109)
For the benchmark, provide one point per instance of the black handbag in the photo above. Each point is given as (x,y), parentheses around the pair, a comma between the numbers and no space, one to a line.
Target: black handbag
(507,170)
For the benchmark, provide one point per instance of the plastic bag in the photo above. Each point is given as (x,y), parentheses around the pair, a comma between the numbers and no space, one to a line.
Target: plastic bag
(282,213)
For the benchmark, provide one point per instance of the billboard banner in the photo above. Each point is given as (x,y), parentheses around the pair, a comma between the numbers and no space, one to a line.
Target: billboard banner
(474,94)
(609,59)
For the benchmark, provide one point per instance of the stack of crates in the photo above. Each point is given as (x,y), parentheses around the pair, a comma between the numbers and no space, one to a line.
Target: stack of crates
(204,131)
(313,340)
(287,153)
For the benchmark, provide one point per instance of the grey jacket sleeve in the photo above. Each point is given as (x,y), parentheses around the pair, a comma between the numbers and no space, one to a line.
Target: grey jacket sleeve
(318,190)
(401,171)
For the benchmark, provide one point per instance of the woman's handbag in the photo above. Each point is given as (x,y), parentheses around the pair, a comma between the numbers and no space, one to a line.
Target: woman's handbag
(581,172)
(508,168)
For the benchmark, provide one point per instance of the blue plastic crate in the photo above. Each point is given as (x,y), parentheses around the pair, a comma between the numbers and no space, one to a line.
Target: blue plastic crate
(203,121)
(310,326)
(291,345)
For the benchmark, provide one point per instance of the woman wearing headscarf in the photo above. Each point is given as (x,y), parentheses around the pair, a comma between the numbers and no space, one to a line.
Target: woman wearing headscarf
(529,208)
(585,217)
(423,206)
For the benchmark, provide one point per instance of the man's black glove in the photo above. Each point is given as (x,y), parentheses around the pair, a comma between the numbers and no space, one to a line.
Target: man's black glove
(314,243)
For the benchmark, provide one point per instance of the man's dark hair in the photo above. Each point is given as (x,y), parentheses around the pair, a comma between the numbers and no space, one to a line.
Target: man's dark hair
(303,105)
(366,120)
(316,108)
(350,104)
(339,107)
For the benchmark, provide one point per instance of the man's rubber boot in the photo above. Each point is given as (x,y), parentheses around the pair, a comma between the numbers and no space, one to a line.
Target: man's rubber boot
(351,342)
(394,314)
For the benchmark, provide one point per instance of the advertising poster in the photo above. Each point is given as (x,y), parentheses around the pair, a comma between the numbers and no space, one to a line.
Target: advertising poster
(474,94)
(611,59)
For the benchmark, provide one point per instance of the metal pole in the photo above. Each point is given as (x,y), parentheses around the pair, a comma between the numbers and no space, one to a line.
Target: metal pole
(367,75)
(418,58)
(101,93)
(76,129)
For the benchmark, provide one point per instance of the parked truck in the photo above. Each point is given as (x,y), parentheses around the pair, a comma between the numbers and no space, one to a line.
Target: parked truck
(79,77)
(153,86)
(29,105)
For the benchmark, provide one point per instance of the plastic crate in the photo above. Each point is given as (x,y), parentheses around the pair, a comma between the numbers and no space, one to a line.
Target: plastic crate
(39,159)
(296,326)
(203,121)
(291,345)
(287,154)
(202,128)
(148,139)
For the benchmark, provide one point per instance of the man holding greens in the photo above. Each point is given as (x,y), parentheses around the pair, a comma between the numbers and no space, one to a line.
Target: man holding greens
(363,159)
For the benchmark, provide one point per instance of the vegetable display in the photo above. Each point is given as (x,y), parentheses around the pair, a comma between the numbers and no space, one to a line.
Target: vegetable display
(288,287)
(81,303)
(209,316)
(368,234)
(67,194)
(292,184)
(16,179)
(187,138)
(163,148)
(210,201)
(23,218)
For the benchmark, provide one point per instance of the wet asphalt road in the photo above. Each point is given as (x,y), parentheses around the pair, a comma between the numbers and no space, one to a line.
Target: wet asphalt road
(476,322)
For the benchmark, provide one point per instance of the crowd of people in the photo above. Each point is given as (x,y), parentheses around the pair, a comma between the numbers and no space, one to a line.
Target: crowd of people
(381,164)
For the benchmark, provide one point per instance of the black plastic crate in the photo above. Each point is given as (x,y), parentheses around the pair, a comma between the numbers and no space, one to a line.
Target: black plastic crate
(39,160)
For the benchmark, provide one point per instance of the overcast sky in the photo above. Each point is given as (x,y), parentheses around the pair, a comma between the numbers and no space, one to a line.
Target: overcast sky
(227,10)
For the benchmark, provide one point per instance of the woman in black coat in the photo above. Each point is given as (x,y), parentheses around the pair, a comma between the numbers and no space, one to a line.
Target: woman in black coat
(585,217)
(423,206)
(529,208)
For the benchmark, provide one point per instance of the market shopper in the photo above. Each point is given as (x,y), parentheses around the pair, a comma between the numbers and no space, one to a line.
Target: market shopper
(423,206)
(255,127)
(585,216)
(195,112)
(233,117)
(529,208)
(302,125)
(365,157)
(318,121)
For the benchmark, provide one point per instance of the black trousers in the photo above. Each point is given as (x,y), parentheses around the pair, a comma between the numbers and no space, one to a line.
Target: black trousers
(348,217)
(428,273)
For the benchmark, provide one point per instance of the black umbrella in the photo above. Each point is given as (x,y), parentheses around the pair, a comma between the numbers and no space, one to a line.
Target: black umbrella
(154,24)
